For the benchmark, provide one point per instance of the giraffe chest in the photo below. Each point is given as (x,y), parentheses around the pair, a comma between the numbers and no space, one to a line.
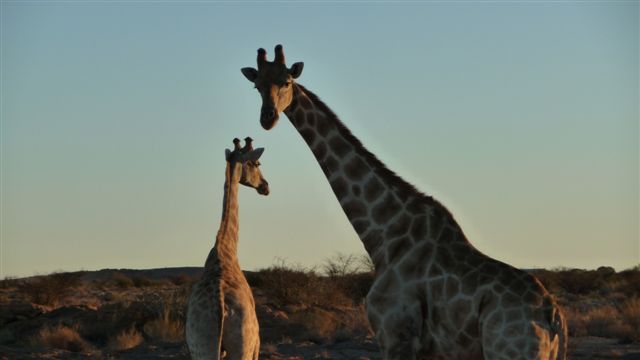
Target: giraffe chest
(420,314)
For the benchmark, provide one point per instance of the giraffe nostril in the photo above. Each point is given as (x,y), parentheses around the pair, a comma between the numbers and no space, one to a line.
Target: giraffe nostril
(267,113)
(263,189)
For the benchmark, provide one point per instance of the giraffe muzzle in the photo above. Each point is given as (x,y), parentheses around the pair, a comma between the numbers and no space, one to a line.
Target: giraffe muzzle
(263,189)
(268,117)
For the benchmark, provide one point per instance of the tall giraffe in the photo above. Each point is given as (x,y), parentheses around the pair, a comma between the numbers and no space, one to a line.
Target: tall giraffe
(435,296)
(221,315)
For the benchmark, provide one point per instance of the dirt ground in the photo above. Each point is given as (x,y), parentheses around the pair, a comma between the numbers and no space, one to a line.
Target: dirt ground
(586,348)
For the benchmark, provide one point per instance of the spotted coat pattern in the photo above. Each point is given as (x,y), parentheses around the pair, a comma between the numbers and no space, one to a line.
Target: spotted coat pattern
(434,296)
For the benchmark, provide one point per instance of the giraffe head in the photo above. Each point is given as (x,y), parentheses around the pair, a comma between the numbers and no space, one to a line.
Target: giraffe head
(247,157)
(274,81)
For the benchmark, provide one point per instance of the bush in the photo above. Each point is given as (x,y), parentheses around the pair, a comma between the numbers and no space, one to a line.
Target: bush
(61,337)
(127,339)
(169,325)
(631,314)
(122,281)
(49,290)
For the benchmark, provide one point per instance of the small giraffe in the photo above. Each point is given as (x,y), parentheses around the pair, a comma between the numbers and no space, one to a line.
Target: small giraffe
(221,315)
(435,296)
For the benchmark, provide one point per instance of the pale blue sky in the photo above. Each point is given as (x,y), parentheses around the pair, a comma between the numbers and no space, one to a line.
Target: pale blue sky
(521,117)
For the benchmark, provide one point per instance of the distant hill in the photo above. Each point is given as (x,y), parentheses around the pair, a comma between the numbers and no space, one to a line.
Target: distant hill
(152,274)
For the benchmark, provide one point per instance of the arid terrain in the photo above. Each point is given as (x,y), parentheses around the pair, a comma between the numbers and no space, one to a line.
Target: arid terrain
(303,313)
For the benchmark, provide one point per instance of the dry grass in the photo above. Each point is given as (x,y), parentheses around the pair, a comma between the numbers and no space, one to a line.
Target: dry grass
(125,340)
(631,314)
(604,321)
(169,325)
(165,328)
(61,337)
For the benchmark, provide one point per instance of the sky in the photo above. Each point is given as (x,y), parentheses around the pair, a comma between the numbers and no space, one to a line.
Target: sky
(520,117)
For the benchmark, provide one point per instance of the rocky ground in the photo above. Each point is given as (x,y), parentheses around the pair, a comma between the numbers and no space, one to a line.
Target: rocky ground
(138,315)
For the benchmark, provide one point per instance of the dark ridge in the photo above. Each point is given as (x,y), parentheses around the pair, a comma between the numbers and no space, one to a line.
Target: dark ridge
(389,176)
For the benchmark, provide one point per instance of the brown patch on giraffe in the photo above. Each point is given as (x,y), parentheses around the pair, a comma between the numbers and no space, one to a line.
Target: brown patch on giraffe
(305,102)
(472,328)
(311,119)
(448,235)
(495,320)
(499,289)
(513,330)
(416,206)
(360,225)
(475,260)
(444,258)
(452,287)
(397,248)
(436,288)
(298,118)
(340,187)
(464,341)
(385,210)
(355,169)
(372,189)
(513,315)
(418,229)
(532,298)
(509,300)
(519,287)
(435,270)
(323,126)
(339,146)
(372,241)
(329,165)
(356,190)
(380,297)
(320,150)
(399,227)
(355,209)
(416,265)
(308,135)
(437,220)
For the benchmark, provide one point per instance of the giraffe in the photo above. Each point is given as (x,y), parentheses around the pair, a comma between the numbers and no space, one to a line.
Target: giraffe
(221,316)
(435,296)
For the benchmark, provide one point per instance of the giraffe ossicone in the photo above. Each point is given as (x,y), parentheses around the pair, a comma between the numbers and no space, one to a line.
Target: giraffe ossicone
(435,296)
(221,316)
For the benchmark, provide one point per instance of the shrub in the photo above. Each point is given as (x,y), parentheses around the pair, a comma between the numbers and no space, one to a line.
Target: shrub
(61,337)
(165,328)
(605,321)
(631,314)
(143,281)
(169,325)
(49,290)
(127,339)
(288,284)
(121,280)
(343,285)
(182,280)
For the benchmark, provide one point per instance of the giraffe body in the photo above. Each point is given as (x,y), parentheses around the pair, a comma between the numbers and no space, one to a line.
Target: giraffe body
(434,296)
(221,317)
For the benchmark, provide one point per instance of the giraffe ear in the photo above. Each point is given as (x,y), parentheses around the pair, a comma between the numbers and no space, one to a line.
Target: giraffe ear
(253,155)
(250,73)
(296,69)
(227,152)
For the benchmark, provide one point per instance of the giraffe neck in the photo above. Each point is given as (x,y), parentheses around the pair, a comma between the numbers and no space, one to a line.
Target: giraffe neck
(386,211)
(226,246)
